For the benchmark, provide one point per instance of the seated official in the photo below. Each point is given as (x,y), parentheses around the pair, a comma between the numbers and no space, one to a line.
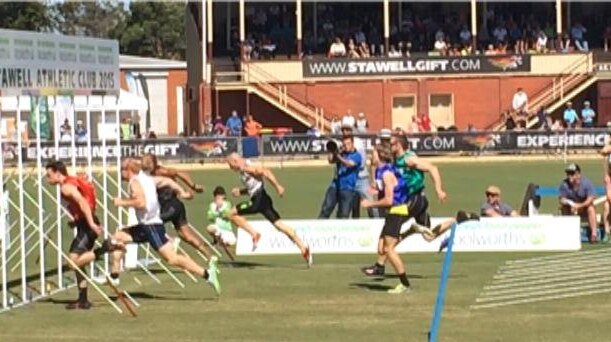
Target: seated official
(577,197)
(494,207)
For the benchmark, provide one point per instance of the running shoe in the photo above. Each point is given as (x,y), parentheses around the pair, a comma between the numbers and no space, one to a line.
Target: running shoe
(213,275)
(255,241)
(308,256)
(373,271)
(399,289)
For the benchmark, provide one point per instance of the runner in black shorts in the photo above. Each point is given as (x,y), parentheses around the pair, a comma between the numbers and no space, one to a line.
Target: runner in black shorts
(172,209)
(260,202)
(79,193)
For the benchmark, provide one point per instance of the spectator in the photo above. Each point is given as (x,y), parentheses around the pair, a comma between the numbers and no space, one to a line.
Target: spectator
(587,115)
(510,123)
(607,38)
(577,197)
(336,125)
(342,190)
(337,49)
(352,53)
(208,128)
(493,206)
(234,125)
(490,50)
(393,52)
(151,135)
(126,129)
(65,131)
(313,131)
(570,116)
(361,123)
(565,44)
(219,129)
(577,34)
(136,124)
(441,47)
(424,123)
(543,119)
(80,131)
(500,34)
(348,120)
(471,128)
(550,33)
(520,102)
(252,127)
(364,50)
(412,127)
(465,35)
(541,44)
(557,125)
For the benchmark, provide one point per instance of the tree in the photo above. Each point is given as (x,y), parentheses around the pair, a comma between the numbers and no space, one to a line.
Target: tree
(100,19)
(29,16)
(155,29)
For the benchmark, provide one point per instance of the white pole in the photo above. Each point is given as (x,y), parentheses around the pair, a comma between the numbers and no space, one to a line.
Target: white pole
(5,226)
(105,179)
(41,222)
(56,135)
(118,140)
(204,40)
(88,123)
(20,156)
(73,136)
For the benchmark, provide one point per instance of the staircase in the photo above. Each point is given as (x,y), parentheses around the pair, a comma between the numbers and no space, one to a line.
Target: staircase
(257,81)
(569,84)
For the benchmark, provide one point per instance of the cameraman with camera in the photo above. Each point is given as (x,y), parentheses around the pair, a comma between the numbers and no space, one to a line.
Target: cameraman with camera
(342,191)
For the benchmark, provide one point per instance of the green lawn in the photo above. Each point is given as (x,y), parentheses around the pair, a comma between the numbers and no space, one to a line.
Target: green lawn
(275,298)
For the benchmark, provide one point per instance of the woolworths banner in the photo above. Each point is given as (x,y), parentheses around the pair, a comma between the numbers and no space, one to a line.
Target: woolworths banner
(46,63)
(385,66)
(505,234)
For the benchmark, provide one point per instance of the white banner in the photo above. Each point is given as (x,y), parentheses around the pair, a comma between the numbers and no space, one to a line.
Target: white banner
(47,63)
(541,233)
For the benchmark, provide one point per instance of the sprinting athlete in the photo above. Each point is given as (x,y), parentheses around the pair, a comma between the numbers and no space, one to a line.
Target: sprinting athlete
(172,209)
(252,177)
(143,198)
(412,170)
(402,208)
(80,195)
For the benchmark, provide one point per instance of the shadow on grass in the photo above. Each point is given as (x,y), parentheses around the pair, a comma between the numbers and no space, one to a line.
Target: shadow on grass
(244,264)
(371,287)
(396,276)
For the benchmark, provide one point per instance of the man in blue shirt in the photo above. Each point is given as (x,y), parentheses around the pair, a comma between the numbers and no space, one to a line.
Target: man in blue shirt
(234,124)
(494,207)
(587,115)
(570,116)
(342,190)
(577,197)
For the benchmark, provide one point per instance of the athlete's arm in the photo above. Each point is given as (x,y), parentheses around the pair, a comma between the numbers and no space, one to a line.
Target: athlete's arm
(390,181)
(136,201)
(161,182)
(70,192)
(426,166)
(183,176)
(263,172)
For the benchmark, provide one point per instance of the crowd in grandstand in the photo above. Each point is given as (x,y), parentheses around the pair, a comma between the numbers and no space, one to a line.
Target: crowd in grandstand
(343,30)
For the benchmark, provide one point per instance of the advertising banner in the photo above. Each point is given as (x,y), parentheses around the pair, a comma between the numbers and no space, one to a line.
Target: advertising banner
(538,233)
(386,66)
(48,63)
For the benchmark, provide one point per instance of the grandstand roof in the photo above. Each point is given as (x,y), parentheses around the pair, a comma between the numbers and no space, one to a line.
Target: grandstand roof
(135,62)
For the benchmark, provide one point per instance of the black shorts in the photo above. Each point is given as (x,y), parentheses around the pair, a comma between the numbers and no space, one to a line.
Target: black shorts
(260,203)
(85,237)
(174,211)
(397,215)
(154,234)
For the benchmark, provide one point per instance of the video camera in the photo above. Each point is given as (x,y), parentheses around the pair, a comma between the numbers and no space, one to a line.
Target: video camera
(334,147)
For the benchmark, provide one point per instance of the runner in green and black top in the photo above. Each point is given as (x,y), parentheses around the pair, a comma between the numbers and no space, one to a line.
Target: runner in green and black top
(412,170)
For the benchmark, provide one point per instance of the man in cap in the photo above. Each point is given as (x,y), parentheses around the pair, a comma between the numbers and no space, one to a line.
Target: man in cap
(587,115)
(577,197)
(570,116)
(494,207)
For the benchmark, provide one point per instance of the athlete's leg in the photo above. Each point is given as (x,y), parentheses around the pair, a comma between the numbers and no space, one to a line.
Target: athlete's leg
(174,259)
(241,222)
(121,238)
(290,233)
(439,230)
(186,234)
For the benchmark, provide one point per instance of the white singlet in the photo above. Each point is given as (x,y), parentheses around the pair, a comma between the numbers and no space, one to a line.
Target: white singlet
(251,183)
(150,214)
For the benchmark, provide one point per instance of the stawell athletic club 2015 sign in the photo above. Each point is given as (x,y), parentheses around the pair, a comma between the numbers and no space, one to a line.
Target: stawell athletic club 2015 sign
(41,63)
(313,68)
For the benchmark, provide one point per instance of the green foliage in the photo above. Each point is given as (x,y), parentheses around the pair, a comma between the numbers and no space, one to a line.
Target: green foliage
(155,29)
(30,16)
(100,19)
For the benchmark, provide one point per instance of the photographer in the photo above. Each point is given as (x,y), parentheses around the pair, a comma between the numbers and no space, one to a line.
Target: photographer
(342,190)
